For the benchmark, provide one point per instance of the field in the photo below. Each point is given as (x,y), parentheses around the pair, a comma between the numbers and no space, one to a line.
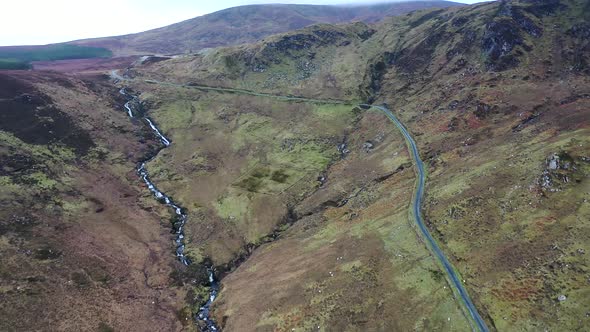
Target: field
(240,163)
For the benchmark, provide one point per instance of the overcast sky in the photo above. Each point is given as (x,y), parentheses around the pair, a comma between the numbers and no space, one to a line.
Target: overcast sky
(31,22)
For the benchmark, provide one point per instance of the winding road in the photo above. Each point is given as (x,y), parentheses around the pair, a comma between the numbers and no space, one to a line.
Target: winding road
(455,282)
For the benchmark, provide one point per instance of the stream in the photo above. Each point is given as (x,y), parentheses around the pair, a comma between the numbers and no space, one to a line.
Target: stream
(207,324)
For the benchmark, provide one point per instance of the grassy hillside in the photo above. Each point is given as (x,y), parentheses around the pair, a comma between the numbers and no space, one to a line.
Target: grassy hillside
(496,96)
(246,24)
(20,57)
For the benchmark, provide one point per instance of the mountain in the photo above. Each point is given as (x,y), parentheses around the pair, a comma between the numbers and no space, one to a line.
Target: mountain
(297,194)
(247,24)
(231,26)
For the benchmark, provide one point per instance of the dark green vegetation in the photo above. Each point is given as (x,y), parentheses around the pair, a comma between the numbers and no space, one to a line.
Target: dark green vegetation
(20,57)
(15,64)
(73,238)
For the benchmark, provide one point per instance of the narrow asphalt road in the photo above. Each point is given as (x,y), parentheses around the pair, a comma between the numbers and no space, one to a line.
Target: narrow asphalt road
(416,208)
(453,277)
(115,75)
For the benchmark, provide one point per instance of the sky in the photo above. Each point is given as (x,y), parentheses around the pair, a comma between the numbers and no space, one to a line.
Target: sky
(35,22)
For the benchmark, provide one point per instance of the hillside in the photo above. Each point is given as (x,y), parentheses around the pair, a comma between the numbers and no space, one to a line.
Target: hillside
(496,96)
(81,247)
(247,24)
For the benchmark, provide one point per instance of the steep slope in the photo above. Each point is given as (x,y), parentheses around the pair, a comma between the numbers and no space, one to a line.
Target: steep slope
(20,57)
(495,103)
(302,205)
(82,243)
(247,24)
(318,61)
(497,97)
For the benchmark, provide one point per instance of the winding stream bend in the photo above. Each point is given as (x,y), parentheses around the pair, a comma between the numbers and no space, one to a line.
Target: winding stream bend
(180,215)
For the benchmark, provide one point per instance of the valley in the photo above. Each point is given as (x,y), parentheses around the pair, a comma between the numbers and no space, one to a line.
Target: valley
(416,206)
(426,171)
(80,249)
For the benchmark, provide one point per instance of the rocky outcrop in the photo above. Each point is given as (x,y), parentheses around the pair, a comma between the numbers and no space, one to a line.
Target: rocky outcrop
(500,39)
(559,171)
(579,54)
(298,46)
(504,35)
